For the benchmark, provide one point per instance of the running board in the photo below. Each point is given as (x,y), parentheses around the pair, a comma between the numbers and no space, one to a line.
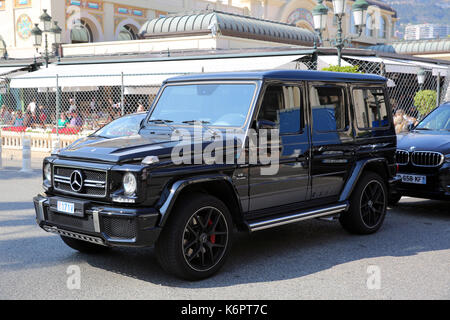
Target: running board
(303,215)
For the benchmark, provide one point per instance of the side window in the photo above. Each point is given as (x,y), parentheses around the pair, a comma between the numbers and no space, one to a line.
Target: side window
(282,106)
(370,108)
(328,109)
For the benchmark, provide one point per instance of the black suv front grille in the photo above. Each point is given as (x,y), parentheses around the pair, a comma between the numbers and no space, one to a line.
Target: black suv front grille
(427,158)
(402,157)
(419,158)
(94,181)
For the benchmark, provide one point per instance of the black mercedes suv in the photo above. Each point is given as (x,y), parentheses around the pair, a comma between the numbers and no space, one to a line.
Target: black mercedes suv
(219,153)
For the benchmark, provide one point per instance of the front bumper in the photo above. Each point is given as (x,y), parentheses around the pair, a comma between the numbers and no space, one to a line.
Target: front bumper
(437,183)
(109,226)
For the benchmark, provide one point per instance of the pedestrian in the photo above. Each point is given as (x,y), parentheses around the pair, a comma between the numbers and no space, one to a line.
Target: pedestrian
(32,106)
(93,106)
(140,107)
(73,107)
(62,121)
(18,119)
(76,122)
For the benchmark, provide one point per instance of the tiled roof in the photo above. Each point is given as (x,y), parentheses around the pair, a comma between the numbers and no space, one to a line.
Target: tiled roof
(227,24)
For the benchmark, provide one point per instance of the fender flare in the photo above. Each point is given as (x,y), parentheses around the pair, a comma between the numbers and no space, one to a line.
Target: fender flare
(165,207)
(358,169)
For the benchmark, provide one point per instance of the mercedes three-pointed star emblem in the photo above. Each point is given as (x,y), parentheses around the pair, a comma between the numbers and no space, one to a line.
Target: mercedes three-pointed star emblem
(76,181)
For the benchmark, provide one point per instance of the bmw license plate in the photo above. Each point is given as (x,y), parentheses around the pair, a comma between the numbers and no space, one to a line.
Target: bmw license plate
(412,178)
(66,207)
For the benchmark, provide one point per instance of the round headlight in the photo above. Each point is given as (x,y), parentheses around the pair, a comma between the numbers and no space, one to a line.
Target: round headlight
(129,184)
(48,172)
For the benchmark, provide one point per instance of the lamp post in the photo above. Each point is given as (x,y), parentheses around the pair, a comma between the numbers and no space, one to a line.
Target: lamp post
(3,52)
(320,15)
(421,75)
(37,33)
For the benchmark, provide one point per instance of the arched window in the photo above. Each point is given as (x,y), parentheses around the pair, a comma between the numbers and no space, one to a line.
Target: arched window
(383,28)
(126,33)
(352,24)
(81,32)
(369,26)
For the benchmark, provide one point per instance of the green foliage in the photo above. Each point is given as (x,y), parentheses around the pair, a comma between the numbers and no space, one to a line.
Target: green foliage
(349,69)
(425,101)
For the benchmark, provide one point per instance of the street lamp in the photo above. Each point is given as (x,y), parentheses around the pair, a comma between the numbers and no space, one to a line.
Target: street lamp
(320,14)
(421,75)
(37,33)
(56,30)
(3,52)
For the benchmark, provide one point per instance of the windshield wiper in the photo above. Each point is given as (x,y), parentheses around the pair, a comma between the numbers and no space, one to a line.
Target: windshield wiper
(203,124)
(165,122)
(422,129)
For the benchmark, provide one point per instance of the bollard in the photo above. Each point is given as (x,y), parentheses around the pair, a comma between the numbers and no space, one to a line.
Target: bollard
(26,154)
(1,159)
(55,145)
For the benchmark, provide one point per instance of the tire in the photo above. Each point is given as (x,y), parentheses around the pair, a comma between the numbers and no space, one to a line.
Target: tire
(196,238)
(368,204)
(84,246)
(394,199)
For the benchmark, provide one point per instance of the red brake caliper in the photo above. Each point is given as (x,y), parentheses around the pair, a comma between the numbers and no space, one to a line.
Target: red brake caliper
(213,236)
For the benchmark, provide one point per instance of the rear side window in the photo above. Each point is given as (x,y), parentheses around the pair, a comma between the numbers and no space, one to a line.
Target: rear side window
(370,108)
(328,109)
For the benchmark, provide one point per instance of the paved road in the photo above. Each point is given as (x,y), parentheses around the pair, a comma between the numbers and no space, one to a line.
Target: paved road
(409,258)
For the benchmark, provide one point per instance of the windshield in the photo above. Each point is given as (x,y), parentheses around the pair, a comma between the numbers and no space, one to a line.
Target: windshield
(439,119)
(224,105)
(125,126)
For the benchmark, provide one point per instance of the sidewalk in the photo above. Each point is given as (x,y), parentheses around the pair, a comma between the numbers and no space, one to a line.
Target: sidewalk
(15,164)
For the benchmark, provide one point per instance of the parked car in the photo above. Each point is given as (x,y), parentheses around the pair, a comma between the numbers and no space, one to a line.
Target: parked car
(330,138)
(423,155)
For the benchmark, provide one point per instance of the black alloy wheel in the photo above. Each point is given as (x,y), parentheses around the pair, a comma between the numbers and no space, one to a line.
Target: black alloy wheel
(205,238)
(196,238)
(368,204)
(373,203)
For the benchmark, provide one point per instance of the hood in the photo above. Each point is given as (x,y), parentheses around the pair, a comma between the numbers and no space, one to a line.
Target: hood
(127,148)
(118,149)
(438,141)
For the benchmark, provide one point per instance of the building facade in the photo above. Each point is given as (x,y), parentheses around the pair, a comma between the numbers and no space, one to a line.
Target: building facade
(94,21)
(426,31)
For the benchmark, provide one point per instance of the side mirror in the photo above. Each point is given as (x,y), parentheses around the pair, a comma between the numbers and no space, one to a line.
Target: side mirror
(141,124)
(265,124)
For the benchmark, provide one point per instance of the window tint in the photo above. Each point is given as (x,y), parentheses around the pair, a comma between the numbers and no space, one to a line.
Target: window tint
(328,109)
(370,108)
(282,106)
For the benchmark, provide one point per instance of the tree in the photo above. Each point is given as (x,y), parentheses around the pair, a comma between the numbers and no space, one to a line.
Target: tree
(425,101)
(349,69)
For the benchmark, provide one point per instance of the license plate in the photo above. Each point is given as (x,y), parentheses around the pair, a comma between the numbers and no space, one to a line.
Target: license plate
(412,178)
(66,207)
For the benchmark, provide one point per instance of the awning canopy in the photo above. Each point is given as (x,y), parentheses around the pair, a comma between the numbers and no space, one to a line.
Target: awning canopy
(8,70)
(326,61)
(141,73)
(391,65)
(405,66)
